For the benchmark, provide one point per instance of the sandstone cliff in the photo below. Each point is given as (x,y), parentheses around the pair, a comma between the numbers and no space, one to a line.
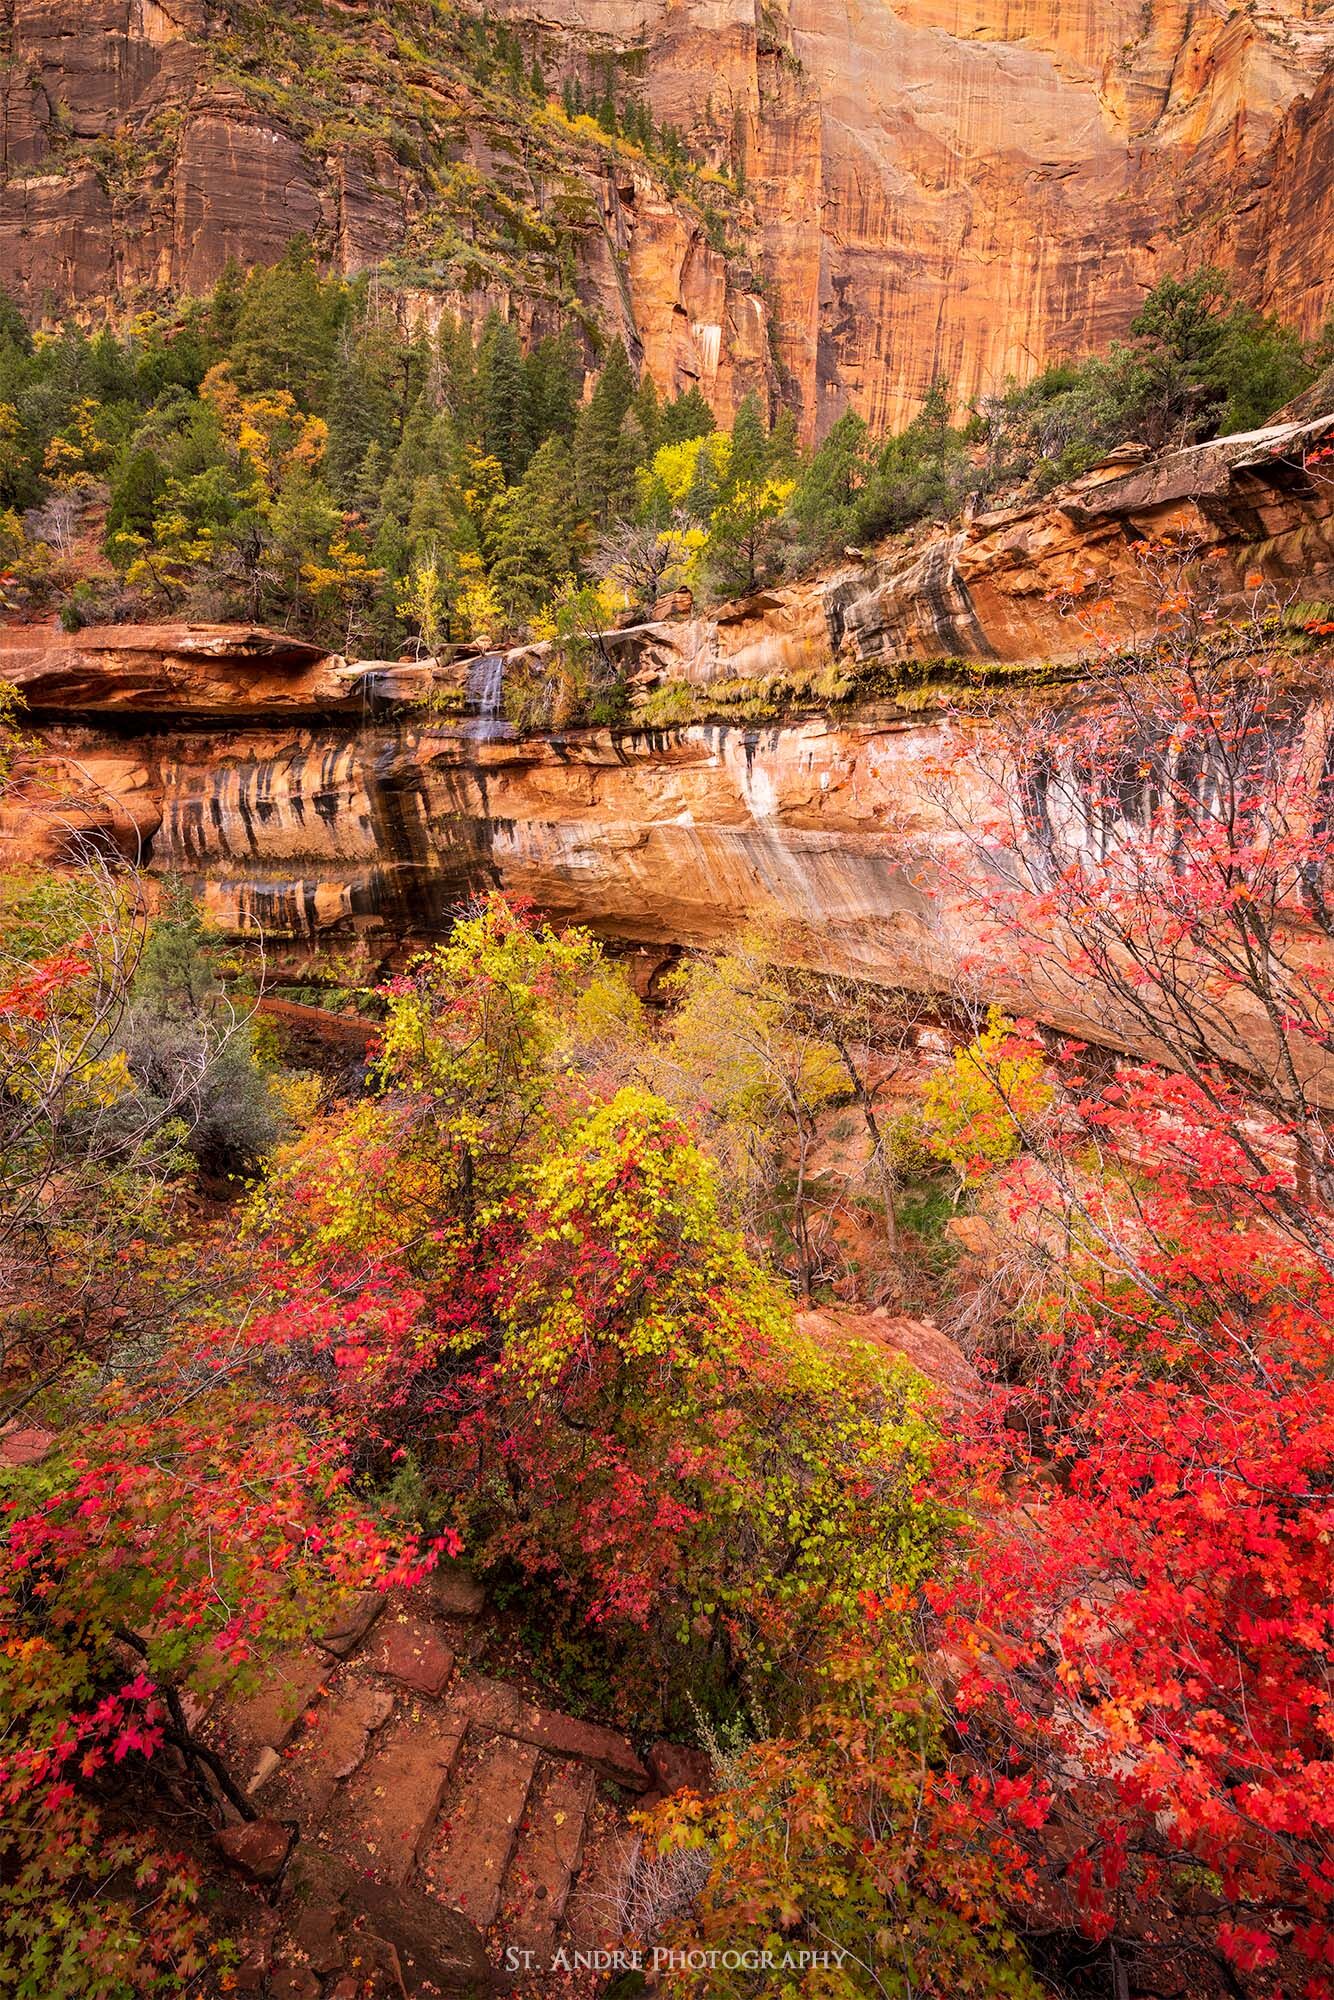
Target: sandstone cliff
(300,806)
(142,146)
(847,841)
(1036,585)
(959,188)
(969,188)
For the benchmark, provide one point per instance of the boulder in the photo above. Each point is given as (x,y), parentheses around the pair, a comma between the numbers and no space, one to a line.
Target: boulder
(435,1948)
(675,1767)
(257,1848)
(456,1591)
(919,1341)
(190,670)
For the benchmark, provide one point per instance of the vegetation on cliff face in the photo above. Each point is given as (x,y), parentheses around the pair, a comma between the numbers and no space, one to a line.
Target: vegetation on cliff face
(1198,364)
(500,136)
(484,148)
(1014,1684)
(999,1698)
(292,450)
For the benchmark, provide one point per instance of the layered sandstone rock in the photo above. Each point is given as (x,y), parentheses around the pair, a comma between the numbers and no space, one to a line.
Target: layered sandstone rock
(1041,584)
(319,834)
(234,671)
(1279,234)
(853,845)
(320,815)
(130,164)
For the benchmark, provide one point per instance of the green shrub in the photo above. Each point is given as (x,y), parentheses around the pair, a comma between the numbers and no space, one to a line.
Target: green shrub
(975,1109)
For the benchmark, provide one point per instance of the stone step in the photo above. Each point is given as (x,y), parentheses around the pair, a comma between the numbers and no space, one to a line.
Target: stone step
(351,1622)
(504,1710)
(547,1857)
(329,1752)
(411,1651)
(455,1591)
(377,1938)
(268,1719)
(478,1827)
(382,1819)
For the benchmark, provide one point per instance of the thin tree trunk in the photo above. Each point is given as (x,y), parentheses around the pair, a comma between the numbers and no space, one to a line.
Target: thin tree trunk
(879,1151)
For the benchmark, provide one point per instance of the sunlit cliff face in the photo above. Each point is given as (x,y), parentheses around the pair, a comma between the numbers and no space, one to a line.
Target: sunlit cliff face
(968,189)
(956,189)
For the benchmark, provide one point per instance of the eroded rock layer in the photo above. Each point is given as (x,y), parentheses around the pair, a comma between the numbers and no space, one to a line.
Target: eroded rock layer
(853,845)
(1047,583)
(320,833)
(316,802)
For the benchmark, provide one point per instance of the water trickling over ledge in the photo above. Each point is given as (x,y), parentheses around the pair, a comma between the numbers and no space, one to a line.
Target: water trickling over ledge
(484,698)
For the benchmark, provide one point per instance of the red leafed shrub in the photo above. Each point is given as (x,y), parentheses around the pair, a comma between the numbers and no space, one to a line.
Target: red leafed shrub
(1146,1623)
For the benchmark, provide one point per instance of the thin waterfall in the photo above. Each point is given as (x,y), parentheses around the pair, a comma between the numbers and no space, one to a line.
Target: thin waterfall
(485,693)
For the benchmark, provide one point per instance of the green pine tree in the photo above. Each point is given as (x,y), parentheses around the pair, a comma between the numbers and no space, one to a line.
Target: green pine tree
(648,413)
(604,456)
(457,355)
(607,104)
(367,496)
(824,504)
(503,397)
(686,416)
(225,309)
(553,377)
(136,489)
(540,536)
(300,525)
(287,327)
(13,327)
(784,446)
(750,444)
(364,401)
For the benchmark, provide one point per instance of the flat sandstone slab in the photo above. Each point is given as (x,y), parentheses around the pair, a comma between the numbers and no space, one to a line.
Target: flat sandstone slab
(387,1811)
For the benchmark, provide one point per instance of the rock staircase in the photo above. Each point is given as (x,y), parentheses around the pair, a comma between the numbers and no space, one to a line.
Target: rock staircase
(424,1828)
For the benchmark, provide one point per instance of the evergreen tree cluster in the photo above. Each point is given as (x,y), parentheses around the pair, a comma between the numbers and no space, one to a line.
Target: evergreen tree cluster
(287,451)
(601,94)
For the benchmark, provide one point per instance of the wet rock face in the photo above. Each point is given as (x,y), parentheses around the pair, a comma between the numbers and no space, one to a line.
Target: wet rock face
(381,834)
(249,764)
(324,837)
(847,842)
